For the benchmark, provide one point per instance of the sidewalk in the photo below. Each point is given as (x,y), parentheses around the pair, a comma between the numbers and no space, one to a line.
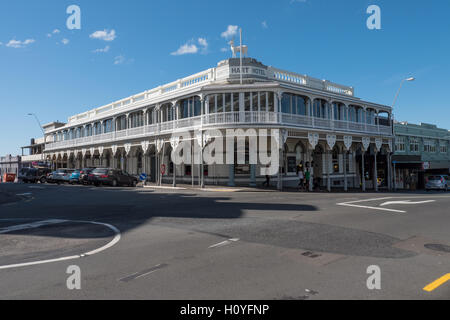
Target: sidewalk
(208,188)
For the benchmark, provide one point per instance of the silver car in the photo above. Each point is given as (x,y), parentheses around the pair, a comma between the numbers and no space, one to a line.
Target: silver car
(437,183)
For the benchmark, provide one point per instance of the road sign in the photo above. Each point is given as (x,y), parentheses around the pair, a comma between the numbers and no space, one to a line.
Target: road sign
(143,177)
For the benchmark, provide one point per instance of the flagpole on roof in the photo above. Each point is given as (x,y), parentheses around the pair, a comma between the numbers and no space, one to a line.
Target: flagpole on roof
(240,53)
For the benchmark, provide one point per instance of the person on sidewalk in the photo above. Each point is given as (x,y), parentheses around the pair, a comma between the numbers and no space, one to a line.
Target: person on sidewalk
(301,178)
(308,179)
(267,182)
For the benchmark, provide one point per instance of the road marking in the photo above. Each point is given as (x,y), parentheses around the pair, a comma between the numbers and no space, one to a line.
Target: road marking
(30,225)
(405,202)
(352,204)
(436,284)
(144,273)
(223,243)
(24,194)
(83,255)
(41,188)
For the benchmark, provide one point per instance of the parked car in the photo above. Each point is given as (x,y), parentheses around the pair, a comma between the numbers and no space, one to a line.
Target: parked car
(22,174)
(437,183)
(75,177)
(112,177)
(84,175)
(60,176)
(34,175)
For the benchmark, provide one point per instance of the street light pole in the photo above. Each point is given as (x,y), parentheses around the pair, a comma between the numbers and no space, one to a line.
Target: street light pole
(398,92)
(39,123)
(393,104)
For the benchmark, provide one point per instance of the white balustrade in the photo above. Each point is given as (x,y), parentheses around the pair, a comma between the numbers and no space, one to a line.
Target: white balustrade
(225,118)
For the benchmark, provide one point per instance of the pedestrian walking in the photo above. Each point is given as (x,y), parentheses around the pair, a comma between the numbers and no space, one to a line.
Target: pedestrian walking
(267,182)
(301,178)
(308,178)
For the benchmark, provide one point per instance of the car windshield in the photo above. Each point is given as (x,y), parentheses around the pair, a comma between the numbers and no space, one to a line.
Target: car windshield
(435,178)
(100,171)
(23,171)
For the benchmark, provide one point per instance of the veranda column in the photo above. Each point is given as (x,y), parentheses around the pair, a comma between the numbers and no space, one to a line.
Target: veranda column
(364,148)
(363,175)
(282,139)
(331,142)
(375,172)
(313,139)
(231,175)
(252,175)
(280,171)
(345,154)
(174,142)
(378,145)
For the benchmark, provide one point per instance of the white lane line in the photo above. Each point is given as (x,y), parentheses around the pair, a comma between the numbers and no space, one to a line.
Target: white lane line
(354,205)
(405,202)
(223,243)
(30,225)
(24,194)
(90,253)
(371,208)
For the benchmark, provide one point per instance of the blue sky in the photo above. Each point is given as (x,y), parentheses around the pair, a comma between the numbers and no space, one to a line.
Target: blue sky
(56,74)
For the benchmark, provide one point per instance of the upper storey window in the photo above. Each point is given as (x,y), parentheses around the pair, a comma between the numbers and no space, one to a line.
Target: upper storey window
(293,104)
(320,109)
(191,107)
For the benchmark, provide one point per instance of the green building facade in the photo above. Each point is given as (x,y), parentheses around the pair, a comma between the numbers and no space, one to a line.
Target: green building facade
(420,151)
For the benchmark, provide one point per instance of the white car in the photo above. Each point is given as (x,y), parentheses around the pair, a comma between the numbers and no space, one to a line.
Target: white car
(437,183)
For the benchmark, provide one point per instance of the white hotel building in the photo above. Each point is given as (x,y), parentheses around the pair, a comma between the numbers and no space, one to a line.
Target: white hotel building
(322,124)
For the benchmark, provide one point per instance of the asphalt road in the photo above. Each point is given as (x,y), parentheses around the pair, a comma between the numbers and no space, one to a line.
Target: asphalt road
(191,244)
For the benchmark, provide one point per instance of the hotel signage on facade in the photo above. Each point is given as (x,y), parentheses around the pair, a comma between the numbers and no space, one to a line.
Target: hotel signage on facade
(248,71)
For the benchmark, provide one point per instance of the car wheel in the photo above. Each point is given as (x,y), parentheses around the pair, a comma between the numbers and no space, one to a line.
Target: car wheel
(43,180)
(134,184)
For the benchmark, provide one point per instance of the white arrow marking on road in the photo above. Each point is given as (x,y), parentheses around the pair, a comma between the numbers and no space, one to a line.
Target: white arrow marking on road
(405,202)
(223,243)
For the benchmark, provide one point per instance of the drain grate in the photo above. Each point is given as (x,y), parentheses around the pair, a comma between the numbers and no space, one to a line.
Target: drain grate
(438,247)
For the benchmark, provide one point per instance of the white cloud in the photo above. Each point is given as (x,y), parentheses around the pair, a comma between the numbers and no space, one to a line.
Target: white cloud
(204,44)
(65,41)
(230,32)
(264,24)
(224,49)
(104,50)
(186,49)
(49,35)
(119,60)
(191,48)
(104,35)
(19,44)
